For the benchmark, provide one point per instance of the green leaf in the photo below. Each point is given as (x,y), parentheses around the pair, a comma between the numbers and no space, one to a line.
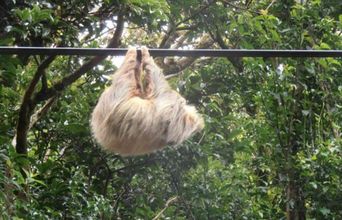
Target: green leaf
(77,129)
(324,211)
(324,46)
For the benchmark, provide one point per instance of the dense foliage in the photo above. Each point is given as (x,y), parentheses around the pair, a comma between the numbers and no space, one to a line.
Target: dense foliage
(271,148)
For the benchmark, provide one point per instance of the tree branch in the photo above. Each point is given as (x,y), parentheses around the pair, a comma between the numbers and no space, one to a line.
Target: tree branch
(166,41)
(183,63)
(27,107)
(168,202)
(171,33)
(171,76)
(236,61)
(42,111)
(199,11)
(180,40)
(239,7)
(37,115)
(269,6)
(68,80)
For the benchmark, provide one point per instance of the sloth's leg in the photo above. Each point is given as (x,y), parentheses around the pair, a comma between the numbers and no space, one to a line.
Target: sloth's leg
(126,81)
(155,80)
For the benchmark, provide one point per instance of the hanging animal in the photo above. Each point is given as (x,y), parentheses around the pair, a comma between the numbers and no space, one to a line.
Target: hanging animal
(139,114)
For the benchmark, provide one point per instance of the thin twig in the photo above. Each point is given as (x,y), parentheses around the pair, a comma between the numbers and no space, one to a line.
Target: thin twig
(171,75)
(168,202)
(268,7)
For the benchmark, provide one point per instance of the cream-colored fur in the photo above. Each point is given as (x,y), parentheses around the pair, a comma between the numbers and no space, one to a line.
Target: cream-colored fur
(131,120)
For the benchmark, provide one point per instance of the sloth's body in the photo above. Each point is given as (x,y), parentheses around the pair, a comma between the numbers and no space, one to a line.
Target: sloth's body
(130,120)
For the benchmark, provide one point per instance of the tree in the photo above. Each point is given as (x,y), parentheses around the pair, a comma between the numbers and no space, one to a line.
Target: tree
(271,147)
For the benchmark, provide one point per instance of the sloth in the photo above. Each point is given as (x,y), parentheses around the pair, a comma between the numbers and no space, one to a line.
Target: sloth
(140,113)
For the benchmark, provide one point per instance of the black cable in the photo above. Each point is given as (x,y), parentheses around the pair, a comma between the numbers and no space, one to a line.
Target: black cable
(171,52)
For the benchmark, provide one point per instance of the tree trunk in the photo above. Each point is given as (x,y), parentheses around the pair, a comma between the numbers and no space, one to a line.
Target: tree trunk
(295,207)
